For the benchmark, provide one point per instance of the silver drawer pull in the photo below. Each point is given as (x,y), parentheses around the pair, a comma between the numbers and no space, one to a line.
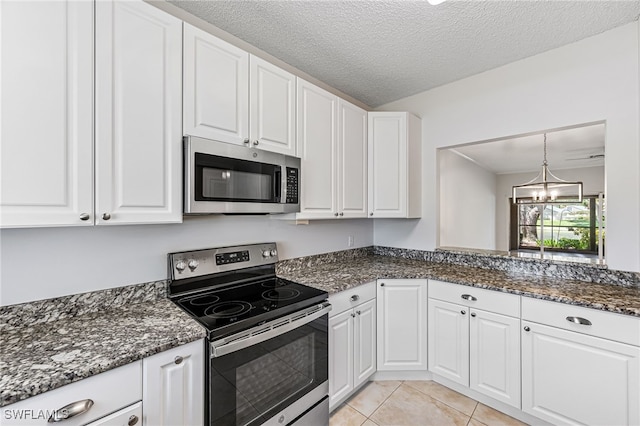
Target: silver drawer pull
(355,297)
(469,297)
(71,410)
(579,320)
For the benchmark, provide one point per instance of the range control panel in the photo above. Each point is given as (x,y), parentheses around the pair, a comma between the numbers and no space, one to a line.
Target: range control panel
(197,263)
(233,257)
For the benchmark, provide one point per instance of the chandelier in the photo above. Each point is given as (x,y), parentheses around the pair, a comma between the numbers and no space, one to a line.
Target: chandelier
(546,188)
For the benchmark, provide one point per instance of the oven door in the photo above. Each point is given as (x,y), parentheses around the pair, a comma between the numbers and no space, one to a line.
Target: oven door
(275,373)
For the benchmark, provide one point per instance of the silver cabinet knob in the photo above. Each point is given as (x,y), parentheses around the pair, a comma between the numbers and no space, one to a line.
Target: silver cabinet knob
(71,410)
(84,216)
(256,142)
(178,360)
(336,214)
(358,312)
(473,314)
(180,266)
(246,141)
(355,297)
(526,328)
(341,214)
(353,315)
(381,284)
(132,420)
(371,214)
(193,264)
(463,312)
(106,216)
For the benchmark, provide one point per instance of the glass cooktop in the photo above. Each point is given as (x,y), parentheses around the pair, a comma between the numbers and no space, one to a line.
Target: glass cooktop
(240,307)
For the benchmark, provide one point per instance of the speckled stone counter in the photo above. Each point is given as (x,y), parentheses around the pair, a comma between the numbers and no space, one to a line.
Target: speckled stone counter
(353,269)
(39,356)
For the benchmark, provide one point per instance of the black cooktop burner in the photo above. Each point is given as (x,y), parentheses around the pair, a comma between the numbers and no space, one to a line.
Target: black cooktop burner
(280,294)
(240,307)
(234,308)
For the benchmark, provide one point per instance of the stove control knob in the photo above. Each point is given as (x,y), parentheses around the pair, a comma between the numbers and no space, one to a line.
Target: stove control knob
(266,253)
(274,252)
(180,266)
(193,264)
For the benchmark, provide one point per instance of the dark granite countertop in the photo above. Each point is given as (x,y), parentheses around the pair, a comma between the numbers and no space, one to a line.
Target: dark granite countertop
(349,272)
(43,356)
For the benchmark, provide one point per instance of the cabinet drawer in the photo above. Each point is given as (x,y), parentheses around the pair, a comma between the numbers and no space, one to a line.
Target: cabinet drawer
(621,328)
(487,300)
(130,416)
(348,299)
(110,391)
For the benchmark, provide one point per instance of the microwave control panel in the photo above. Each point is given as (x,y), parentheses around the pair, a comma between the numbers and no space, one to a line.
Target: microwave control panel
(292,185)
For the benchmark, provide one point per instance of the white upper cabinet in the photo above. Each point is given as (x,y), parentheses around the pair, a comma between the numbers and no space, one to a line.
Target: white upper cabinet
(395,170)
(216,90)
(138,114)
(49,114)
(352,160)
(46,142)
(272,107)
(332,143)
(234,97)
(317,148)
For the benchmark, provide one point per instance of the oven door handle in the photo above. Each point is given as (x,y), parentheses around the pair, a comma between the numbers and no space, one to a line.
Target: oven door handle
(267,331)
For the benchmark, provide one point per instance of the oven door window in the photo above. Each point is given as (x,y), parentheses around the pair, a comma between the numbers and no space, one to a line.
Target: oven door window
(250,386)
(229,179)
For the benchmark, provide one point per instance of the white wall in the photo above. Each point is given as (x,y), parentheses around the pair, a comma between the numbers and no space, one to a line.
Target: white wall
(467,195)
(588,81)
(41,263)
(592,179)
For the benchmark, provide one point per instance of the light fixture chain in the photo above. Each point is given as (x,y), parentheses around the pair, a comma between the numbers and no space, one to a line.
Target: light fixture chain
(545,149)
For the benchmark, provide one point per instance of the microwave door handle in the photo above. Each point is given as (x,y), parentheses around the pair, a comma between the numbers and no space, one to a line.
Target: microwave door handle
(277,182)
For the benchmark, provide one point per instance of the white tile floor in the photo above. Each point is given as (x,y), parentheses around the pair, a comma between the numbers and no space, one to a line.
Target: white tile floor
(415,403)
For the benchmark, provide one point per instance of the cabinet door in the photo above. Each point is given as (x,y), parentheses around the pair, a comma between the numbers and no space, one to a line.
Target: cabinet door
(216,88)
(352,160)
(272,93)
(340,356)
(317,132)
(364,350)
(570,378)
(402,324)
(46,150)
(494,354)
(138,111)
(387,164)
(173,386)
(449,341)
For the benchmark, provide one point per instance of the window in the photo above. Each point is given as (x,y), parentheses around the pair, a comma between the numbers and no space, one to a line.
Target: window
(571,227)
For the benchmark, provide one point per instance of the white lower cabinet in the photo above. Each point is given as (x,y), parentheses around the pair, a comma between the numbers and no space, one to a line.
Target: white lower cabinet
(570,377)
(476,347)
(173,386)
(402,324)
(83,402)
(352,341)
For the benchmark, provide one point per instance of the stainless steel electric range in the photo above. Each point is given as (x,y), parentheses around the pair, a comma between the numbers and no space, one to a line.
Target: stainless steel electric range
(267,360)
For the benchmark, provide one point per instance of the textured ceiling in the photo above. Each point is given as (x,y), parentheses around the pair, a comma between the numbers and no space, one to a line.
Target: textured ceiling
(566,149)
(381,51)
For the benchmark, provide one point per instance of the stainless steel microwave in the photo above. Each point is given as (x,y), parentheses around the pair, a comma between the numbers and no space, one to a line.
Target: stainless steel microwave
(224,178)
